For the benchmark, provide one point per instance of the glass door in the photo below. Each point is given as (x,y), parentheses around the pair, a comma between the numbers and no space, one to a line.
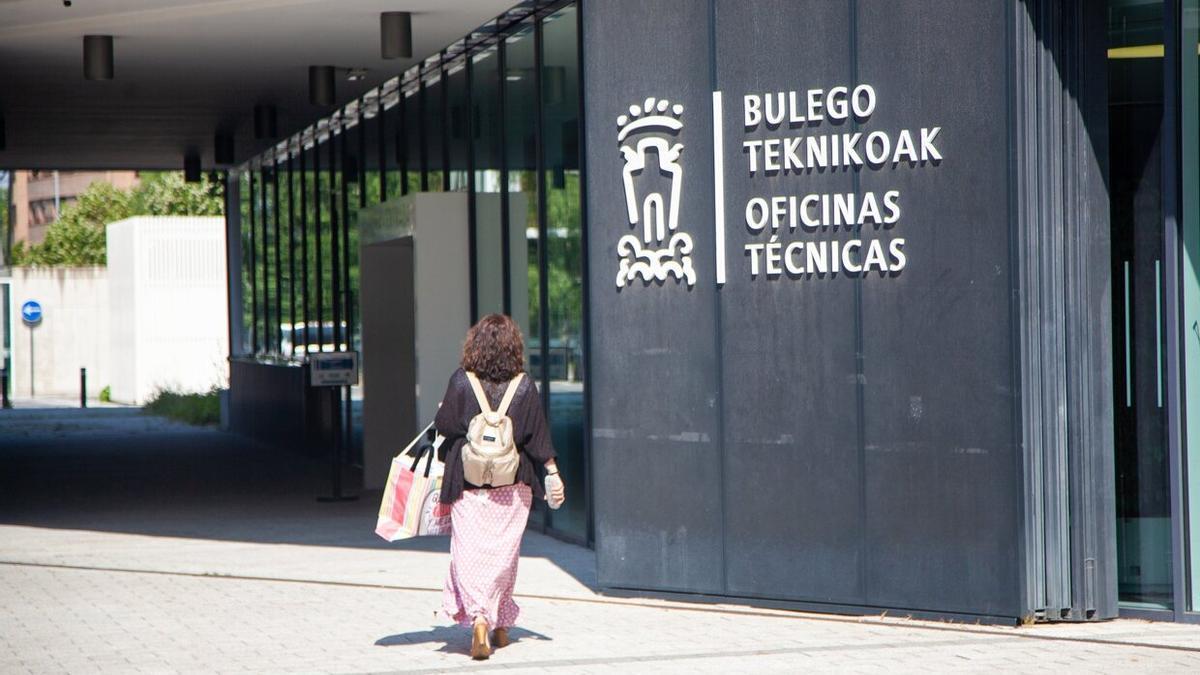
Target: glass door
(1135,70)
(1190,269)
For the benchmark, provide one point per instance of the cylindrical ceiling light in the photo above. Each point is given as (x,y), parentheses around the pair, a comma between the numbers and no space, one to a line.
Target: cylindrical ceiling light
(395,35)
(191,167)
(98,57)
(265,122)
(321,85)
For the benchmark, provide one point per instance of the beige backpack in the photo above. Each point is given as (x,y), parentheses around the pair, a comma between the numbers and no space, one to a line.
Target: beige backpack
(490,455)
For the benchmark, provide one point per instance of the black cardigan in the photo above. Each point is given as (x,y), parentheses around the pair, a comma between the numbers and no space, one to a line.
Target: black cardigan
(529,430)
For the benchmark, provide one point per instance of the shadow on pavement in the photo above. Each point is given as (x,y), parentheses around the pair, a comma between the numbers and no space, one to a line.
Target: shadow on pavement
(454,639)
(118,470)
(122,471)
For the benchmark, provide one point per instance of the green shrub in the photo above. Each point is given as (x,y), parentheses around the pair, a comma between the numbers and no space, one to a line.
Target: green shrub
(106,395)
(198,409)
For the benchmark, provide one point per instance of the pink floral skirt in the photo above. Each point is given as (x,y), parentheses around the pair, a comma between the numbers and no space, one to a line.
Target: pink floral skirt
(485,545)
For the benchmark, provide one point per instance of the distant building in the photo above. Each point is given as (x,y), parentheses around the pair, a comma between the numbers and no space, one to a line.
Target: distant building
(39,196)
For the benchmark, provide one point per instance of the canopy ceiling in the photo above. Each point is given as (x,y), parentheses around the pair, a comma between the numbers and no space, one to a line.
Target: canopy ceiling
(188,68)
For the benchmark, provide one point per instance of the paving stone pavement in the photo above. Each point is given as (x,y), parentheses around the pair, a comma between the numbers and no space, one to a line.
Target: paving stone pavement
(168,549)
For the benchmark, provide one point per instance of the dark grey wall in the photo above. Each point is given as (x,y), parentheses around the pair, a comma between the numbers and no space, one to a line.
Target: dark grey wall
(850,440)
(795,476)
(656,423)
(938,358)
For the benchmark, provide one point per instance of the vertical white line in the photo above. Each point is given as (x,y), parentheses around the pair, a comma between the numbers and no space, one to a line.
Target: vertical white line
(719,185)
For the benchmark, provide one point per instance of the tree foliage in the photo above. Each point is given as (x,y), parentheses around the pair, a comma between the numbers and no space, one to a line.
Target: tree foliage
(166,193)
(78,236)
(564,251)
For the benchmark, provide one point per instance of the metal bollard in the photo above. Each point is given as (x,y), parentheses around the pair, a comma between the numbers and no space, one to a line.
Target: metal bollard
(4,404)
(83,387)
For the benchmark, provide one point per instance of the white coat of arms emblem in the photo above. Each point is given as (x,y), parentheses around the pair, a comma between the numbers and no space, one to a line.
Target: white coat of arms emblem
(647,138)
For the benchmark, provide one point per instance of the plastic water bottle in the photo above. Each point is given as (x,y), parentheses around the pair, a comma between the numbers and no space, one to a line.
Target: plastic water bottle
(553,482)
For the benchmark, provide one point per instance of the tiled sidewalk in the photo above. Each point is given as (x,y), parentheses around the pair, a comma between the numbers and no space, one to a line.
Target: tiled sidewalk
(166,549)
(57,617)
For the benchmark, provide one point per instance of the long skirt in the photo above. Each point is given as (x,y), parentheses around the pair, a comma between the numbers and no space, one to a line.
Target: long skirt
(485,544)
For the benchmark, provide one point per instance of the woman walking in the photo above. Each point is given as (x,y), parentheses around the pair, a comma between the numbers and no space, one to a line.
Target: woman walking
(488,515)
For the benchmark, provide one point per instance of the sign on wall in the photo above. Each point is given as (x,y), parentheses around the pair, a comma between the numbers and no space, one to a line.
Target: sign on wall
(795,134)
(333,369)
(796,234)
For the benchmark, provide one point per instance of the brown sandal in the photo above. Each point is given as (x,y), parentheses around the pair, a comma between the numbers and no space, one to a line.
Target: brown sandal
(500,638)
(480,647)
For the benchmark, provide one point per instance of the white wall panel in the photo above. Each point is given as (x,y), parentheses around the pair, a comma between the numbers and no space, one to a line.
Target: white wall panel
(169,316)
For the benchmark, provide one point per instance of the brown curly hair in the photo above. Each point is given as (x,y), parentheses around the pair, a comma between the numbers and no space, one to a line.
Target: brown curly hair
(494,349)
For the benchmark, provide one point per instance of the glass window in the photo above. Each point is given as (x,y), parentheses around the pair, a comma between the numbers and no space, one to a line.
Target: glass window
(369,150)
(520,141)
(275,256)
(248,286)
(320,241)
(262,271)
(1135,69)
(433,118)
(308,211)
(270,242)
(564,261)
(356,199)
(249,259)
(485,130)
(456,125)
(331,246)
(347,186)
(503,123)
(520,181)
(393,130)
(262,230)
(295,279)
(287,232)
(356,180)
(412,140)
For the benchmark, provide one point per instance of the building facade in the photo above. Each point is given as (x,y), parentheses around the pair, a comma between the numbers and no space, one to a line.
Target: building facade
(832,304)
(38,197)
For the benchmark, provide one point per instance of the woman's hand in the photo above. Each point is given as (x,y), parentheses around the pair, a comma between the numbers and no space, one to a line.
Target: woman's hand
(555,493)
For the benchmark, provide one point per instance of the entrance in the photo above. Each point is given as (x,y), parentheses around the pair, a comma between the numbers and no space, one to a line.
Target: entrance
(1135,69)
(1153,61)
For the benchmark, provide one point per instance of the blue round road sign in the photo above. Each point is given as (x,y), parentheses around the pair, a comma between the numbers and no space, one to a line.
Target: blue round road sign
(31,312)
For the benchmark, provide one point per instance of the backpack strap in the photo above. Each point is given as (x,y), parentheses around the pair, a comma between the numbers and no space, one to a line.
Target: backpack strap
(480,396)
(510,393)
